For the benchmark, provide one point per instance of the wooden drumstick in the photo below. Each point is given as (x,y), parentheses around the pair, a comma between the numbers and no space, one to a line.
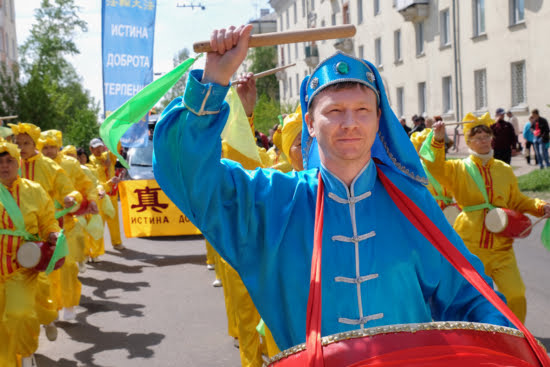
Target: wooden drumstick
(531,226)
(457,123)
(8,117)
(265,73)
(280,38)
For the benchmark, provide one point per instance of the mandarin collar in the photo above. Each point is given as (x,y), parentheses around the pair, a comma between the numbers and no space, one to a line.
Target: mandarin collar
(363,182)
(477,160)
(33,158)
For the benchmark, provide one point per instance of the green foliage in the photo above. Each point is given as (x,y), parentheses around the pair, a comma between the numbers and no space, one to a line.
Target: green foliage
(50,93)
(265,58)
(178,89)
(266,113)
(538,180)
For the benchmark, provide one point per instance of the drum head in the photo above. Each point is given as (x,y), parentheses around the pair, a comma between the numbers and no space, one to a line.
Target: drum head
(496,220)
(451,212)
(28,255)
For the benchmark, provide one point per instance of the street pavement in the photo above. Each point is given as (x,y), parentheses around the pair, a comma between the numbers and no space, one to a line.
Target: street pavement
(153,305)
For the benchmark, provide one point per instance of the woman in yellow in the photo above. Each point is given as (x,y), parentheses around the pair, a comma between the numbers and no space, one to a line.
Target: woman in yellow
(292,139)
(94,247)
(24,206)
(466,179)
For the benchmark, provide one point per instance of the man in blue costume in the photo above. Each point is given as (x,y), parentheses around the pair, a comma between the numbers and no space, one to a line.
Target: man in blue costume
(377,269)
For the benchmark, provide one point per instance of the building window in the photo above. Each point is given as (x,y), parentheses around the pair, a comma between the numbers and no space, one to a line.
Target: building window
(12,8)
(397,45)
(282,55)
(281,23)
(400,102)
(14,49)
(333,19)
(519,87)
(1,40)
(288,51)
(422,97)
(447,94)
(296,50)
(290,86)
(297,82)
(295,12)
(378,51)
(287,19)
(480,85)
(303,8)
(312,4)
(517,11)
(445,28)
(359,11)
(361,52)
(345,13)
(419,38)
(376,7)
(479,17)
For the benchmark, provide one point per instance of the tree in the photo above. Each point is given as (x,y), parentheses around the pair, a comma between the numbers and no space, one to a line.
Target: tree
(178,89)
(265,58)
(50,93)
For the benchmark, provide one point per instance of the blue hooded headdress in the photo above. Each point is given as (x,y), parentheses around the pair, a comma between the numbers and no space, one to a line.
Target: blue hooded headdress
(391,146)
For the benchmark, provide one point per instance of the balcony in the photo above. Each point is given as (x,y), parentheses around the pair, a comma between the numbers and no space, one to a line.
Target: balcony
(344,45)
(312,56)
(414,10)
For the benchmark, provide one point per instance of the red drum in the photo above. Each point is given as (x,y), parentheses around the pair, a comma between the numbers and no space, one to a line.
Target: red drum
(431,344)
(37,256)
(507,223)
(451,212)
(83,209)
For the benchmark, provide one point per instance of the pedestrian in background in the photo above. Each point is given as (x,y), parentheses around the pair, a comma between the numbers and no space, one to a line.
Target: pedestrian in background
(539,126)
(529,138)
(505,139)
(515,123)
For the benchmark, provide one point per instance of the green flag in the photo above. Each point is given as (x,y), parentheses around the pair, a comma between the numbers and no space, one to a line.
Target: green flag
(61,250)
(426,148)
(131,112)
(545,235)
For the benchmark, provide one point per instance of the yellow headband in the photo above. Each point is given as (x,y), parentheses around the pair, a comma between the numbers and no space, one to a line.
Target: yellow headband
(69,150)
(418,138)
(291,128)
(12,150)
(51,137)
(484,120)
(26,128)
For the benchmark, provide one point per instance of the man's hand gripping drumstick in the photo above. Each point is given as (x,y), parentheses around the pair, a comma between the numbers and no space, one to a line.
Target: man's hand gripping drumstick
(230,48)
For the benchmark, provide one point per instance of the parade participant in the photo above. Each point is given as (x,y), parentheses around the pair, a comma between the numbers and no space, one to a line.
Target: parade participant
(377,269)
(505,139)
(26,203)
(466,178)
(292,139)
(56,183)
(104,163)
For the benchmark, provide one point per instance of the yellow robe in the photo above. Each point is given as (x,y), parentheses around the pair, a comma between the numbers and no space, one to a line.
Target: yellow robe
(19,316)
(496,252)
(105,174)
(93,247)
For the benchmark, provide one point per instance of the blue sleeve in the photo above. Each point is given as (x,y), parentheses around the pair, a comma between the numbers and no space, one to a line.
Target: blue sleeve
(233,207)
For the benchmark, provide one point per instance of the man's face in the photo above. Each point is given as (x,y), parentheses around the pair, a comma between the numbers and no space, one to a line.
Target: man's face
(9,168)
(50,151)
(500,117)
(481,143)
(509,114)
(97,150)
(345,123)
(26,145)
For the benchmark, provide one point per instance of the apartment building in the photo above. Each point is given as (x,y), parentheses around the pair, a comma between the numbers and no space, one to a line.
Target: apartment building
(8,39)
(438,57)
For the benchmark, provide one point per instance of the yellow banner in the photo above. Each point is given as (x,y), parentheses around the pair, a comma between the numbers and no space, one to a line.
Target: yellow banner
(147,211)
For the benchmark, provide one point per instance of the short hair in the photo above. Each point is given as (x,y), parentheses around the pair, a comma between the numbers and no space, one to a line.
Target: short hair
(480,129)
(337,87)
(438,118)
(535,111)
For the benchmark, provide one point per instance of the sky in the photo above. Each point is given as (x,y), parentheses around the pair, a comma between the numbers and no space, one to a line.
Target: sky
(176,28)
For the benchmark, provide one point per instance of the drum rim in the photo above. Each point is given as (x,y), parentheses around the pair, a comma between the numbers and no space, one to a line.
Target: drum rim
(400,328)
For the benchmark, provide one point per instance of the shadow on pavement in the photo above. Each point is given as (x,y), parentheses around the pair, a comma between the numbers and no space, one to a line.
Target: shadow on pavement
(102,286)
(112,267)
(137,345)
(175,238)
(153,259)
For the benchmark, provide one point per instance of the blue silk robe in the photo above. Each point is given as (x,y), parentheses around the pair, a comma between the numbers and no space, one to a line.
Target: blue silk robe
(377,269)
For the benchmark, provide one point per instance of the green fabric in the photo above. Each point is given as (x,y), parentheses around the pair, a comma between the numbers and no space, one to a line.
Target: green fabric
(261,327)
(133,110)
(63,211)
(61,250)
(12,208)
(437,186)
(426,148)
(545,235)
(476,176)
(19,233)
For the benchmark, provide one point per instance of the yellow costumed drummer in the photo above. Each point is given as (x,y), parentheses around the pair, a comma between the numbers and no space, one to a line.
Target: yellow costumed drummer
(27,214)
(480,183)
(291,139)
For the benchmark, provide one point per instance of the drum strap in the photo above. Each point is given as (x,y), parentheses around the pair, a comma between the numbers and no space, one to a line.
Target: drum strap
(476,176)
(437,186)
(433,234)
